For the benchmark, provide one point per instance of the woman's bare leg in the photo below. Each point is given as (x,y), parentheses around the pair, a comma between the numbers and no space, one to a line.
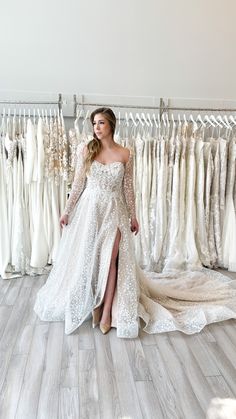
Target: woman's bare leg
(111,282)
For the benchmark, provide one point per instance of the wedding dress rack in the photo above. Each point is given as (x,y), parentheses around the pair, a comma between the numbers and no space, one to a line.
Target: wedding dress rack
(163,107)
(34,173)
(59,102)
(184,177)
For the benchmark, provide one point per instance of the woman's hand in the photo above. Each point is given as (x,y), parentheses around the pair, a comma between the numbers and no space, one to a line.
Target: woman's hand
(64,220)
(134,226)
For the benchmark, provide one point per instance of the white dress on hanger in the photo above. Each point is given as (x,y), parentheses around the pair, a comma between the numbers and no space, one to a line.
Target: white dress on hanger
(223,175)
(8,180)
(191,252)
(21,238)
(54,187)
(5,244)
(209,171)
(99,204)
(170,144)
(201,232)
(39,253)
(172,256)
(152,204)
(229,227)
(161,214)
(145,193)
(139,145)
(215,195)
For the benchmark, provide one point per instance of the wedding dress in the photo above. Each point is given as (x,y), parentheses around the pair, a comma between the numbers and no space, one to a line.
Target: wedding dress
(229,227)
(100,203)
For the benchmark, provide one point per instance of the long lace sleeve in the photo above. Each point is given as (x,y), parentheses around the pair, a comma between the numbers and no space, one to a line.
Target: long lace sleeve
(79,181)
(128,186)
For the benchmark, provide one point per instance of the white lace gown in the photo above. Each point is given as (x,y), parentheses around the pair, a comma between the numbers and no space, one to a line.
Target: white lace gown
(99,204)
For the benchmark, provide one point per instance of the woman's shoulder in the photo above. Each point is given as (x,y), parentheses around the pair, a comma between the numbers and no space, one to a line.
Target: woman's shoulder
(125,153)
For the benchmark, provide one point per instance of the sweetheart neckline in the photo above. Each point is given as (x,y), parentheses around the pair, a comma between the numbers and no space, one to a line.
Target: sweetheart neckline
(108,164)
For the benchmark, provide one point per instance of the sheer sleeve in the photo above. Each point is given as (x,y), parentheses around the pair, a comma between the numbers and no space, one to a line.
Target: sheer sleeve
(79,181)
(128,186)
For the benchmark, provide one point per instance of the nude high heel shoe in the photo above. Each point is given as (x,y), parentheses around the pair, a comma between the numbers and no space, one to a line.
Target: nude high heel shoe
(96,314)
(105,328)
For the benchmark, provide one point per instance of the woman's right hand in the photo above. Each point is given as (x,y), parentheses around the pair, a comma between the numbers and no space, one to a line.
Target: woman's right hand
(64,220)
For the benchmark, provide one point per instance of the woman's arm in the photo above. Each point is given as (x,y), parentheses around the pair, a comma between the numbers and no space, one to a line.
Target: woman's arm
(79,181)
(129,193)
(128,186)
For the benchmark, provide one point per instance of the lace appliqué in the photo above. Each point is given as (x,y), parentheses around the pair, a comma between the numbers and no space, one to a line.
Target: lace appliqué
(79,181)
(128,186)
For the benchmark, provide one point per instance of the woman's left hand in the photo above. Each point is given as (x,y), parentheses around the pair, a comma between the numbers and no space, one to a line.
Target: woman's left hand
(134,226)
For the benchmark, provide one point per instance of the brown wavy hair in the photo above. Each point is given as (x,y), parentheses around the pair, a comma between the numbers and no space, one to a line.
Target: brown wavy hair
(94,146)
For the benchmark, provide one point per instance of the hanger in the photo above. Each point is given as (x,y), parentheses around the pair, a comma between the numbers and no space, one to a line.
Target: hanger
(219,118)
(154,119)
(149,119)
(167,119)
(232,119)
(145,119)
(209,121)
(163,119)
(140,120)
(173,119)
(185,120)
(227,122)
(132,118)
(199,118)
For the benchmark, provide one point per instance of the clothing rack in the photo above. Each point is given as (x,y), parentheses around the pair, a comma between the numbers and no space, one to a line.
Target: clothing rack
(163,107)
(59,102)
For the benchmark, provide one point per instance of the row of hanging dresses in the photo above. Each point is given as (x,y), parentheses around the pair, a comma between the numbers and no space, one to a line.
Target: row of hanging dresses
(34,175)
(184,177)
(186,180)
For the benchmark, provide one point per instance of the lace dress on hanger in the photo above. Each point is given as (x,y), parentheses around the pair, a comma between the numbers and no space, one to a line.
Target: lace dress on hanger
(5,243)
(172,257)
(201,232)
(99,204)
(161,212)
(39,253)
(229,227)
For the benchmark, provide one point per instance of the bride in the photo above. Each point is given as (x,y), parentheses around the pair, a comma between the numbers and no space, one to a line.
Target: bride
(95,269)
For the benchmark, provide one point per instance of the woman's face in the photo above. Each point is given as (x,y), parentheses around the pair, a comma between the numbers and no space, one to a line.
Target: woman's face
(101,126)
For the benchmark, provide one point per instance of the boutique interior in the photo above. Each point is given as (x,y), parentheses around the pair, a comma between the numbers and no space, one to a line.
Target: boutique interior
(168,74)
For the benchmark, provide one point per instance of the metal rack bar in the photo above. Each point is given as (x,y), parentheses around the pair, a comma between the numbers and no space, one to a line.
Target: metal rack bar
(117,106)
(162,107)
(59,102)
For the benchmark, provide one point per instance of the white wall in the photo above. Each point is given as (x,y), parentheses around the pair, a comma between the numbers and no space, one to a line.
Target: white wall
(170,48)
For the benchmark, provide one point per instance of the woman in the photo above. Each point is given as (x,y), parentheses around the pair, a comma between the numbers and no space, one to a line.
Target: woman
(95,269)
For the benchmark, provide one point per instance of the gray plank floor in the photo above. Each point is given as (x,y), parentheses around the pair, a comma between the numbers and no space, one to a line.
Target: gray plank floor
(48,375)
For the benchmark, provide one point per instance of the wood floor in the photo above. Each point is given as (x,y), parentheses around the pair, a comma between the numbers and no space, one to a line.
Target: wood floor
(48,375)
